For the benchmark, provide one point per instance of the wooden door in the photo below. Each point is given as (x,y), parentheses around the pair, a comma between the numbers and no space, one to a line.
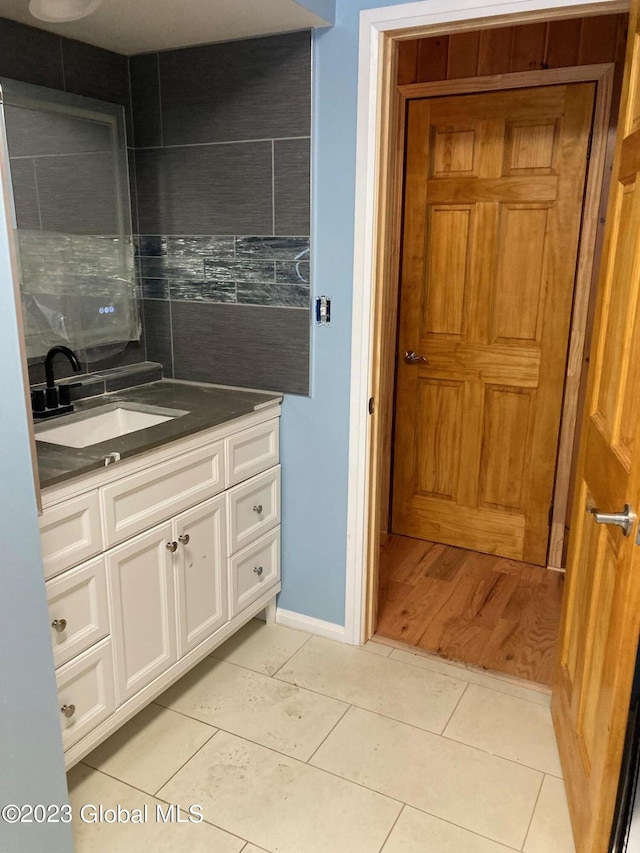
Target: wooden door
(493,202)
(601,615)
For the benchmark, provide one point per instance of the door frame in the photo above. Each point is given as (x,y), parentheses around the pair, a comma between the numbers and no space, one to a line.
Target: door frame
(376,250)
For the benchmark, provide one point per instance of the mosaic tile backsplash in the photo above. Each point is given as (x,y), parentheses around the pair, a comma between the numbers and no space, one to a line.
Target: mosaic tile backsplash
(243,270)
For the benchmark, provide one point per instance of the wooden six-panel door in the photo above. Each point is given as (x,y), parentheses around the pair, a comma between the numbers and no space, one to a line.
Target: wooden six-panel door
(493,201)
(601,614)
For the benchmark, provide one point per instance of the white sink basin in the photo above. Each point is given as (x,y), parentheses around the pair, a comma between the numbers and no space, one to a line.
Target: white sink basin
(103,423)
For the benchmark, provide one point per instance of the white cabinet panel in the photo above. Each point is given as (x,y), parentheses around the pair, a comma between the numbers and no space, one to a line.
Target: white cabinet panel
(254,508)
(135,503)
(78,609)
(141,597)
(252,450)
(85,692)
(253,570)
(201,584)
(70,533)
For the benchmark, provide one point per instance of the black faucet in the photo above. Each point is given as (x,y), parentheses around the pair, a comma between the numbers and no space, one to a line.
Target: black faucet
(54,403)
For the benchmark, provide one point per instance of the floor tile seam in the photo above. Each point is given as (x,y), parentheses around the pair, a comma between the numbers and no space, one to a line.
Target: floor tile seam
(413,806)
(451,715)
(337,723)
(276,677)
(184,763)
(393,826)
(449,739)
(362,708)
(161,799)
(321,770)
(291,657)
(466,828)
(251,669)
(535,806)
(495,755)
(481,675)
(189,717)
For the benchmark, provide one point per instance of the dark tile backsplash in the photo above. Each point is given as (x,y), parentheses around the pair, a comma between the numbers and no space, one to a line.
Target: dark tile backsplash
(223,175)
(226,269)
(205,189)
(241,345)
(252,89)
(291,186)
(219,180)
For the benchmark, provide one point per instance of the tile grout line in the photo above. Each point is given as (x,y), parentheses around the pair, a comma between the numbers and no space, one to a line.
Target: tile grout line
(393,826)
(329,733)
(155,794)
(459,826)
(224,142)
(273,193)
(290,658)
(446,725)
(533,811)
(479,674)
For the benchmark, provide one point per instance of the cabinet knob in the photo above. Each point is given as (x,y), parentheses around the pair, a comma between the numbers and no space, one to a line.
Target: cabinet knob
(68,710)
(184,538)
(258,570)
(59,625)
(258,508)
(172,546)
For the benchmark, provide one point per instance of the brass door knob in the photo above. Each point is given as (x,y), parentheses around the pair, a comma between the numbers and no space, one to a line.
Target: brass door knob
(172,546)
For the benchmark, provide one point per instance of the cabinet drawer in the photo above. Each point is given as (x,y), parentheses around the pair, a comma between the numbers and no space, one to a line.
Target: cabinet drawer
(254,570)
(254,508)
(77,610)
(135,503)
(251,451)
(70,533)
(86,683)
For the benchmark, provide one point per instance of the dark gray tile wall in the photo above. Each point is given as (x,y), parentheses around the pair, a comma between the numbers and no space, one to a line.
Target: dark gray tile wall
(219,188)
(45,59)
(222,136)
(250,346)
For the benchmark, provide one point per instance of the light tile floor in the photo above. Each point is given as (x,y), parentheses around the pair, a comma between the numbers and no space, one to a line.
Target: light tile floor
(294,744)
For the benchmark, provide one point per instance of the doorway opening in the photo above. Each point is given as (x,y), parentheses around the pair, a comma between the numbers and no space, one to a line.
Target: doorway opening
(470,576)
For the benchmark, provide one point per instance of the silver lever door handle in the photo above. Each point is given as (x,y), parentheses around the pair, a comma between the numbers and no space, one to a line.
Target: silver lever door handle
(411,357)
(624,519)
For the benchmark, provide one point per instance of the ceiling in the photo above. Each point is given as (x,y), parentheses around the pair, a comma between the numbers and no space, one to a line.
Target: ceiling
(138,26)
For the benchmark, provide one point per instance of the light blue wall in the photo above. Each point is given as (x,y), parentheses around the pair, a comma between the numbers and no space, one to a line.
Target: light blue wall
(315,431)
(325,9)
(31,760)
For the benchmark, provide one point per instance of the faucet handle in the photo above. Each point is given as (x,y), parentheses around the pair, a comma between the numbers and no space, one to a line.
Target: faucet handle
(51,397)
(64,392)
(37,400)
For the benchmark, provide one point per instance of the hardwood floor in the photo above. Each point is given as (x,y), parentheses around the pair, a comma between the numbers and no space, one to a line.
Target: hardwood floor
(489,611)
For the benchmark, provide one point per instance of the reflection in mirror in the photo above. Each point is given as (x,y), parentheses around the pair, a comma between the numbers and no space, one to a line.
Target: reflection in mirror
(72,217)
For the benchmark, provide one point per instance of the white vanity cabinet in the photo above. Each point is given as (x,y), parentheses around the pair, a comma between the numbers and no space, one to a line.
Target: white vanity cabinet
(188,542)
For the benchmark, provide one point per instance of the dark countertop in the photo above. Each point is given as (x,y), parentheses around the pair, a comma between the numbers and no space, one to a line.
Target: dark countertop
(207,406)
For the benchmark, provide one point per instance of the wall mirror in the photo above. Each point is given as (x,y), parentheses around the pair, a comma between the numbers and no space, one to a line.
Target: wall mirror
(68,165)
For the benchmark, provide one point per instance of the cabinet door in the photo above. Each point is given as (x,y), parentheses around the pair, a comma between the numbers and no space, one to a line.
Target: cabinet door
(141,596)
(201,585)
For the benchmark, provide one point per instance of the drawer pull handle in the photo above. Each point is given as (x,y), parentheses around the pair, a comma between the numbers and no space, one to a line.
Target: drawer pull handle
(258,570)
(258,508)
(184,538)
(68,710)
(59,625)
(172,546)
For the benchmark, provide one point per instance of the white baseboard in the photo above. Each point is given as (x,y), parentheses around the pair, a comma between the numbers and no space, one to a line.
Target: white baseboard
(310,624)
